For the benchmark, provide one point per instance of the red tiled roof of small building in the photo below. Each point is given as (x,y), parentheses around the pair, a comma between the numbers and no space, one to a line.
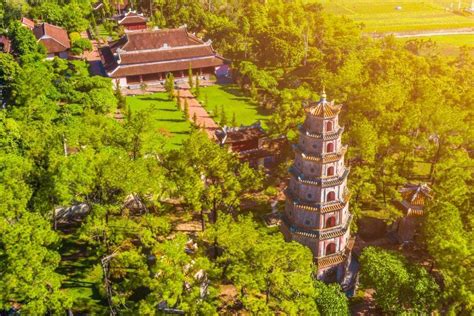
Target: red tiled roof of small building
(416,194)
(28,23)
(53,37)
(132,18)
(157,51)
(5,42)
(240,134)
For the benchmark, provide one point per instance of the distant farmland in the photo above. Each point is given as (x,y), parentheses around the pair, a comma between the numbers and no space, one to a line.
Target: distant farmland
(400,16)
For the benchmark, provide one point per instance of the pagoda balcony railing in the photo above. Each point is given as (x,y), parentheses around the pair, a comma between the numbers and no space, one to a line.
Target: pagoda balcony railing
(322,207)
(320,234)
(324,136)
(324,158)
(322,181)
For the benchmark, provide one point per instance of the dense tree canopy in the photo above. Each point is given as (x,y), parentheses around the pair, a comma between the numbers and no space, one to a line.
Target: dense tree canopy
(399,286)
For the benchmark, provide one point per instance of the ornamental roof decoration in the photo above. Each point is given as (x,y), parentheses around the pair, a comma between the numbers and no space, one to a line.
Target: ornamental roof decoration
(324,108)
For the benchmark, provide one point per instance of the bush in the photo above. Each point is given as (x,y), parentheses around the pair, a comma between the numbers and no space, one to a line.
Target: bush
(80,45)
(74,36)
(271,191)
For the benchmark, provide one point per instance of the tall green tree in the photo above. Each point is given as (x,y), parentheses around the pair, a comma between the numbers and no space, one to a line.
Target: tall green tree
(210,178)
(449,244)
(399,286)
(169,85)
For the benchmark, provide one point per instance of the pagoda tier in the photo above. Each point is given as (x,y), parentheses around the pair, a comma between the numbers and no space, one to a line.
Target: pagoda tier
(317,199)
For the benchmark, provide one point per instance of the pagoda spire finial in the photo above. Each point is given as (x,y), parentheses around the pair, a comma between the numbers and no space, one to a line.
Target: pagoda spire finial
(323,94)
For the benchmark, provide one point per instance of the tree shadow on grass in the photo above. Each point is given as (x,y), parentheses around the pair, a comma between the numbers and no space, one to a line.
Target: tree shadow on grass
(171,120)
(241,97)
(233,89)
(148,98)
(181,132)
(168,110)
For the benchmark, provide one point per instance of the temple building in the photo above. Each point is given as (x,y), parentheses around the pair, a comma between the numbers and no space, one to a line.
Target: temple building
(414,198)
(27,23)
(317,198)
(252,144)
(148,56)
(54,38)
(132,21)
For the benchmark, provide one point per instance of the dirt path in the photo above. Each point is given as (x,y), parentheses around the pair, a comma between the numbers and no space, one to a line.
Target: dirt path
(460,31)
(204,121)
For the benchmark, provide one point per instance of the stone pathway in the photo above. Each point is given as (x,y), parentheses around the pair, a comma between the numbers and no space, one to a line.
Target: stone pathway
(204,120)
(93,57)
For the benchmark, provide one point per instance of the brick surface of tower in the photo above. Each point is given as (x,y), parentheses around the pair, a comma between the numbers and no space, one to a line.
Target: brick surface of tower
(317,199)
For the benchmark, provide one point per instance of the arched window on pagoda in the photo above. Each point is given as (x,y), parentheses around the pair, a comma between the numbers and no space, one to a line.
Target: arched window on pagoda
(329,127)
(331,196)
(330,171)
(330,148)
(330,222)
(330,249)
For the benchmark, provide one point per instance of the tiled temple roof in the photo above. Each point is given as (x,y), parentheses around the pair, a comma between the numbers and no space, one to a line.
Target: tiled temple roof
(330,157)
(325,109)
(157,51)
(415,197)
(331,260)
(132,17)
(53,37)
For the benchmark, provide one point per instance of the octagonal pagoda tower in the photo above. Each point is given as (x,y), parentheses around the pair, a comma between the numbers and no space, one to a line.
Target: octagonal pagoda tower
(317,199)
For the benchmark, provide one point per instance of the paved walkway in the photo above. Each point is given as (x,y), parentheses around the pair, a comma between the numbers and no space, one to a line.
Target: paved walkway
(203,119)
(458,31)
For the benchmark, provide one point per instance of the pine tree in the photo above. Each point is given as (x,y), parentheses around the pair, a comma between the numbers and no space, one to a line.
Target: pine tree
(178,100)
(216,113)
(253,92)
(223,117)
(186,109)
(195,119)
(197,90)
(121,99)
(169,86)
(234,120)
(190,77)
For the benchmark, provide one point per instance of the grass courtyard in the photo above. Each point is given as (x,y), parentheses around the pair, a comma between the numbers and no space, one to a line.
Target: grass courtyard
(167,120)
(404,15)
(448,45)
(231,98)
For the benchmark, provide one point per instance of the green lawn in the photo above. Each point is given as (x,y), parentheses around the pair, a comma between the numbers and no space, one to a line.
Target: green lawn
(80,282)
(456,40)
(102,31)
(448,44)
(233,101)
(413,15)
(166,117)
